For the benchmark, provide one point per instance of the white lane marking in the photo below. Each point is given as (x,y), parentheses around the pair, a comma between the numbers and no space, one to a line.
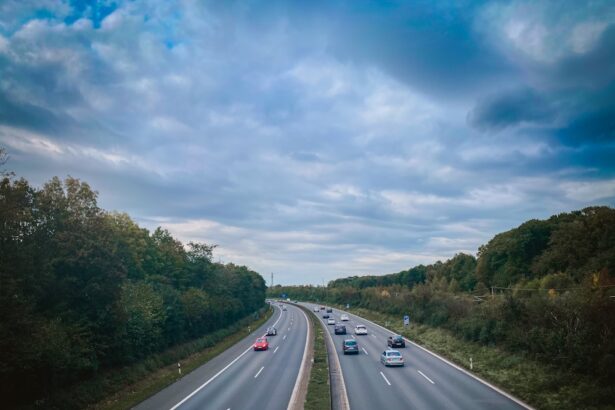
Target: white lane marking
(423,374)
(352,336)
(284,338)
(385,378)
(276,349)
(289,328)
(365,351)
(373,335)
(202,386)
(259,372)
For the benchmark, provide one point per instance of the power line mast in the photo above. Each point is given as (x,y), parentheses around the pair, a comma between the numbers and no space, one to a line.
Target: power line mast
(271,279)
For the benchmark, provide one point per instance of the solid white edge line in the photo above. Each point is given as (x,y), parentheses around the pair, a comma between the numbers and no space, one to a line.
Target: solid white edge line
(202,386)
(423,374)
(295,395)
(462,370)
(365,351)
(385,378)
(259,372)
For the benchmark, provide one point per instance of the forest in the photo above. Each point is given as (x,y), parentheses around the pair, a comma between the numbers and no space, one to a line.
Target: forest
(84,290)
(545,289)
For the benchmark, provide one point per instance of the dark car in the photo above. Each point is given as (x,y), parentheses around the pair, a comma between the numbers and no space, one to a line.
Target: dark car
(329,310)
(340,330)
(396,341)
(350,346)
(325,316)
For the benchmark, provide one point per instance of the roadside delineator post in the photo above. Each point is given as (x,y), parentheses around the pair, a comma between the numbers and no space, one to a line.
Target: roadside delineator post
(471,364)
(179,368)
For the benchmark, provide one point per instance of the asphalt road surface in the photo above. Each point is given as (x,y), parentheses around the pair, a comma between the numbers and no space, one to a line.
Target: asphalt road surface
(241,378)
(425,382)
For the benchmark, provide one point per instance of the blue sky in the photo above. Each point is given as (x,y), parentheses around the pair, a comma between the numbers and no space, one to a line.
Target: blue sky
(317,139)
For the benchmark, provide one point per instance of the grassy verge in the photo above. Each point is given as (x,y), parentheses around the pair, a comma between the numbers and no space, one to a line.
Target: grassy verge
(538,384)
(129,386)
(319,391)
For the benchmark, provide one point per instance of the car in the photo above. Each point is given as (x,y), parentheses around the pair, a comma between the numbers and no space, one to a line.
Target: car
(340,329)
(360,330)
(325,316)
(316,309)
(331,321)
(350,346)
(396,341)
(272,331)
(329,310)
(322,308)
(284,308)
(261,344)
(344,318)
(391,357)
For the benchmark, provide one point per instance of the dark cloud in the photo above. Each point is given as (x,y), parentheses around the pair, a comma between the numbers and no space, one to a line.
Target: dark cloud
(508,109)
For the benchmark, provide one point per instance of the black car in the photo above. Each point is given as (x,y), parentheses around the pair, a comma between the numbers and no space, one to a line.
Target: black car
(325,316)
(350,346)
(272,331)
(396,341)
(340,329)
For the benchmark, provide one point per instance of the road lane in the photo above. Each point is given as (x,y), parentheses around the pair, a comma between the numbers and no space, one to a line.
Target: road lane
(261,379)
(425,382)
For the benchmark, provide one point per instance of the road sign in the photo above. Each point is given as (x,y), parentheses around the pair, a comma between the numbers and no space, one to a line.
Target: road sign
(406,320)
(347,305)
(283,295)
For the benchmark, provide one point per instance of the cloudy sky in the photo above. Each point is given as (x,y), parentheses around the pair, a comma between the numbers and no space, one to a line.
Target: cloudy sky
(316,139)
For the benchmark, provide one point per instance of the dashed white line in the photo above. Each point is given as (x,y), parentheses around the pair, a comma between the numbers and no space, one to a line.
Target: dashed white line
(259,372)
(422,374)
(365,351)
(276,349)
(373,335)
(385,378)
(284,338)
(289,328)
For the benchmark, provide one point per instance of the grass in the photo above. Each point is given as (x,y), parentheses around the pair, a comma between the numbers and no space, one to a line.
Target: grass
(319,390)
(538,384)
(152,378)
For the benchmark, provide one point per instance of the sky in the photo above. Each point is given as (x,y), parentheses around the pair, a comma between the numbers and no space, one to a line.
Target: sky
(316,139)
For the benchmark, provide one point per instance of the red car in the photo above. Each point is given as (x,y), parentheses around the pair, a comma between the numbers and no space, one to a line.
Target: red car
(261,344)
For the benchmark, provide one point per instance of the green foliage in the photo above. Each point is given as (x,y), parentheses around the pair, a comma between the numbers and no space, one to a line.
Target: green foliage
(84,290)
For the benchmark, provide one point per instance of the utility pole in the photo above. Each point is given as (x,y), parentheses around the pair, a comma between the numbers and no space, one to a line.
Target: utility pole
(271,279)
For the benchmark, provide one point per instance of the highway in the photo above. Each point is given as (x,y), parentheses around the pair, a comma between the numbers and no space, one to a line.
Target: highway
(241,378)
(425,382)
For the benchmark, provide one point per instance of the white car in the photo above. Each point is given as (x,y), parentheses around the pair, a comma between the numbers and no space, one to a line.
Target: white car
(391,357)
(316,309)
(360,330)
(344,318)
(330,321)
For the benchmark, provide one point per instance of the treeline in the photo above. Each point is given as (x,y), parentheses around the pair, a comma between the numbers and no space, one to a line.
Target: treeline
(551,299)
(84,290)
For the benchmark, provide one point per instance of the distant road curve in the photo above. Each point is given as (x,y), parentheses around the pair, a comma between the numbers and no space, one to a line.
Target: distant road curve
(240,378)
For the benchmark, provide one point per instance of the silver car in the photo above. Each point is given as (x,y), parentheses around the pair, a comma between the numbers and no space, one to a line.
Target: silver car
(391,357)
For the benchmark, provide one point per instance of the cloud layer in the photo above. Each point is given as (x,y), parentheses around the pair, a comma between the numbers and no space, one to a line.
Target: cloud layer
(317,139)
